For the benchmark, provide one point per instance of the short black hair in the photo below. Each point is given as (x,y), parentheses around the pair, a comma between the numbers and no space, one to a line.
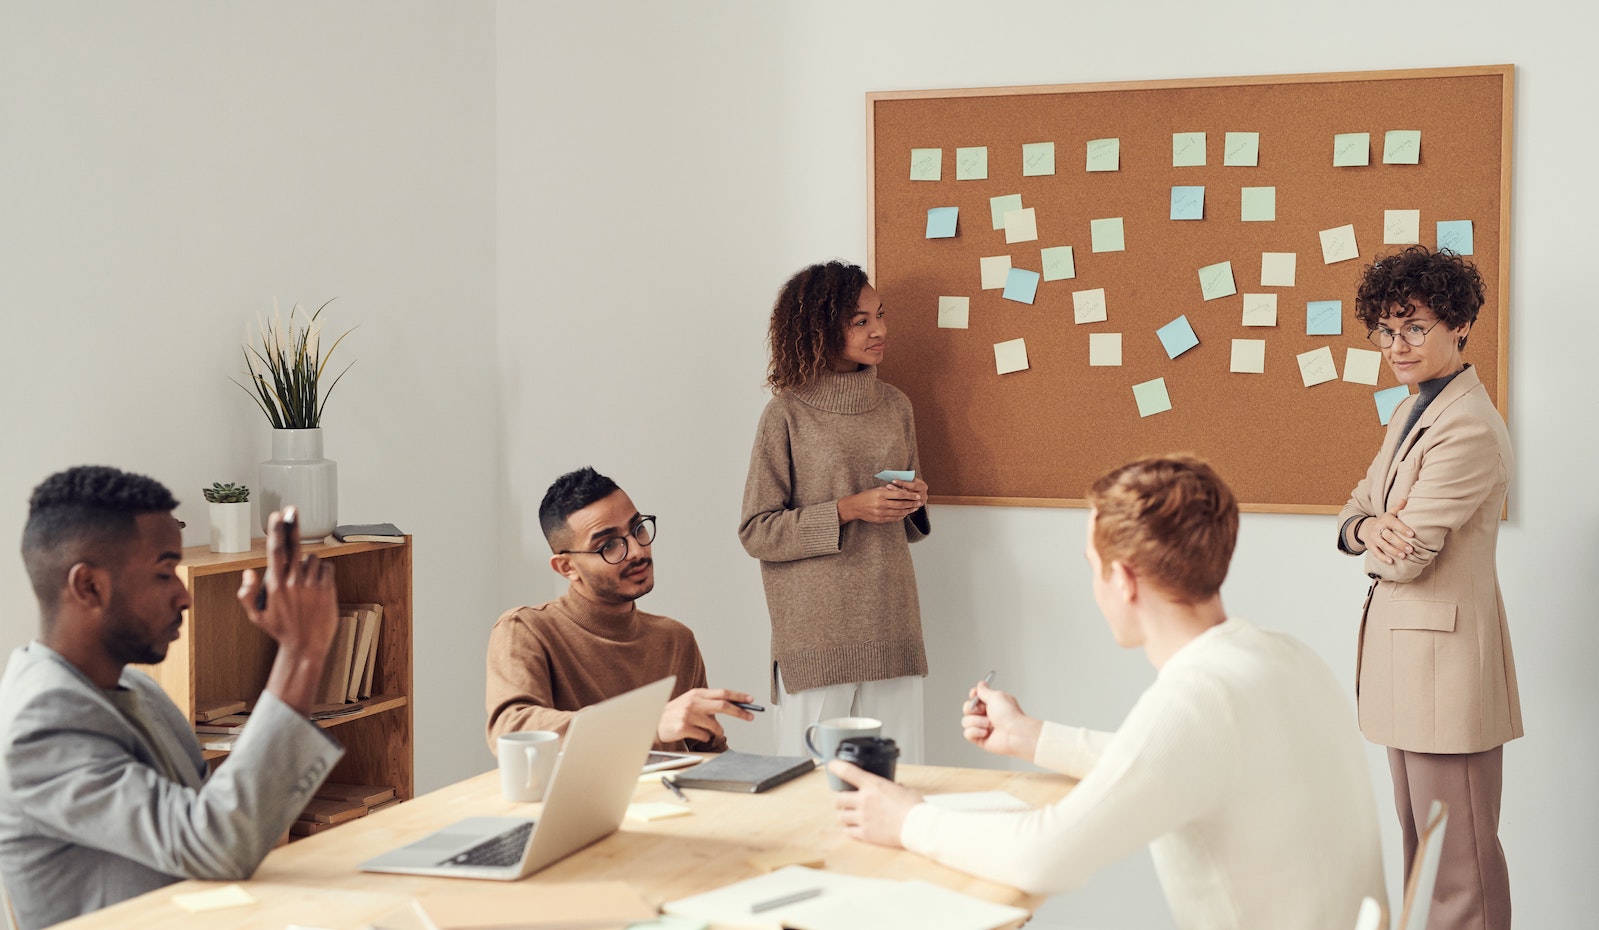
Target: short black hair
(570,493)
(1446,283)
(88,509)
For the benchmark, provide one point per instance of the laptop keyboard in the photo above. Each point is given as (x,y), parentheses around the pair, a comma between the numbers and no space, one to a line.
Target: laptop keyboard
(503,850)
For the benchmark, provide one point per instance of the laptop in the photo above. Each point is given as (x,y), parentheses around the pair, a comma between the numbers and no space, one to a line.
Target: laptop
(594,780)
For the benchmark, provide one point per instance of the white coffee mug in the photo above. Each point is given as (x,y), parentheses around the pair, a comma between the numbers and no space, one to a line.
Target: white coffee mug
(526,761)
(822,739)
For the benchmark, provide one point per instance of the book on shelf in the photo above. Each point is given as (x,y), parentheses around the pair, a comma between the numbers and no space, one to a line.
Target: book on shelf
(368,532)
(364,656)
(743,771)
(309,827)
(218,742)
(336,673)
(323,810)
(211,710)
(232,723)
(370,795)
(352,657)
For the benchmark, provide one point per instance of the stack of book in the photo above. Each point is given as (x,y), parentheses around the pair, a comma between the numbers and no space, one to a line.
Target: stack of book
(352,661)
(220,732)
(335,803)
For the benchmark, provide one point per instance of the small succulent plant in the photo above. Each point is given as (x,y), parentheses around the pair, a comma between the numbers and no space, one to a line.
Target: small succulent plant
(229,493)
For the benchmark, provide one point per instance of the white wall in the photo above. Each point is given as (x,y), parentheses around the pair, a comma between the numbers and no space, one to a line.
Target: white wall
(167,169)
(662,167)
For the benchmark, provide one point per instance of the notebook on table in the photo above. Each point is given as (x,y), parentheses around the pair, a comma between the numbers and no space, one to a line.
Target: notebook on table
(594,779)
(743,771)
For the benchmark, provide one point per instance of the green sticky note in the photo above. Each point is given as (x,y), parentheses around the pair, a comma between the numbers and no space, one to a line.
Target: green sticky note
(1217,281)
(1351,149)
(971,164)
(1058,263)
(1259,204)
(1108,235)
(1104,154)
(1401,147)
(999,206)
(1038,158)
(927,164)
(1152,397)
(1242,150)
(1187,149)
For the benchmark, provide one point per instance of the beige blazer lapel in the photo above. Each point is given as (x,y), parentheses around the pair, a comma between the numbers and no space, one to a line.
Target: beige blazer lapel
(1459,387)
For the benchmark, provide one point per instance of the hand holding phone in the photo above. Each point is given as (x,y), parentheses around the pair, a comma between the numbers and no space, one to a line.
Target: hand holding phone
(287,540)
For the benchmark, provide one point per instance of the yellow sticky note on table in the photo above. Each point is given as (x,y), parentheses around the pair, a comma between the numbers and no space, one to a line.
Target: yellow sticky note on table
(1249,356)
(1401,227)
(1260,309)
(1105,350)
(1277,269)
(1010,356)
(996,269)
(1338,244)
(647,811)
(215,899)
(1361,365)
(1317,366)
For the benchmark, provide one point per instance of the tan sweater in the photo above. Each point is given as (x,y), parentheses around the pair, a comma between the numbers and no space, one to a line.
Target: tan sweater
(548,662)
(842,599)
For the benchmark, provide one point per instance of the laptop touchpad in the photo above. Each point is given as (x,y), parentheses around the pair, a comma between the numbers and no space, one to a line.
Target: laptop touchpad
(445,839)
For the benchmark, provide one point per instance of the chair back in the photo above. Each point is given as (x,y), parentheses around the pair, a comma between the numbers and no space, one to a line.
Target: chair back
(1424,870)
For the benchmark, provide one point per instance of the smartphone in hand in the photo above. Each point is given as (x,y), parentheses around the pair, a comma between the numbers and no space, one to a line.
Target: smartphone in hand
(289,540)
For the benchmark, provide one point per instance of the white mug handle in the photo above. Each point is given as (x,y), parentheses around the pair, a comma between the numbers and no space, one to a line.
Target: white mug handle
(810,746)
(532,756)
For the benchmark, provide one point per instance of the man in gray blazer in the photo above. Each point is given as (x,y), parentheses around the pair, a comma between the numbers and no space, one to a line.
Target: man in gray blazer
(104,794)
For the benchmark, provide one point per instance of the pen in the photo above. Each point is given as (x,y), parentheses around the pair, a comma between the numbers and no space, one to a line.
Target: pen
(794,898)
(672,787)
(748,706)
(976,703)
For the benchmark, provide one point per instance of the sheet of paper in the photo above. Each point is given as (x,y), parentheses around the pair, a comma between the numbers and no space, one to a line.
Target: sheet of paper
(1388,399)
(1177,336)
(1455,235)
(941,222)
(1021,226)
(1401,147)
(1089,306)
(1258,204)
(1038,159)
(1107,234)
(1187,149)
(1277,269)
(1217,281)
(1104,154)
(214,899)
(1324,318)
(1338,244)
(1058,263)
(1249,356)
(1401,227)
(1241,150)
(1361,366)
(1351,149)
(1260,309)
(913,903)
(999,206)
(954,312)
(1010,356)
(978,800)
(996,268)
(1152,397)
(1317,366)
(927,164)
(1021,285)
(1105,350)
(971,164)
(1187,203)
(646,811)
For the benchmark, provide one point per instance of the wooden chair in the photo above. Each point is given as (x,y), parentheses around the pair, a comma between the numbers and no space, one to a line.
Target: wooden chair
(1424,870)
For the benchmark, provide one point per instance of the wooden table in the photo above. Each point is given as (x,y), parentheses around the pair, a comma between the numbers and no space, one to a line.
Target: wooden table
(314,881)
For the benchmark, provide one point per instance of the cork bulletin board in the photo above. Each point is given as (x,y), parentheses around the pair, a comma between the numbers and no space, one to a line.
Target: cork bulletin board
(1436,150)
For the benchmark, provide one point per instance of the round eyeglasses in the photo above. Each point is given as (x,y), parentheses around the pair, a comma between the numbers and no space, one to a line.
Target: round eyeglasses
(1412,333)
(614,550)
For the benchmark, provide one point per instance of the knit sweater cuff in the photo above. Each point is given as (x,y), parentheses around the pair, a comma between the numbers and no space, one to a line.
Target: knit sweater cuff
(818,529)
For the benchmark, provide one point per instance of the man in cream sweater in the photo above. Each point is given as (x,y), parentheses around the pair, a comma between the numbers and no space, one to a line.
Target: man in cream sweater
(1241,766)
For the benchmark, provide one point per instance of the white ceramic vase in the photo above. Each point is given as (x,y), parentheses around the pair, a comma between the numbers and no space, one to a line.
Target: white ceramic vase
(230,526)
(299,475)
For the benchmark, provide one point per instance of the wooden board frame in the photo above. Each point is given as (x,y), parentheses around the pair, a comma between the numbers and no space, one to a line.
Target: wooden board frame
(971,432)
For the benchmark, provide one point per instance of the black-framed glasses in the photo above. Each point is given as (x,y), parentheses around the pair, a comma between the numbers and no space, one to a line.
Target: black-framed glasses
(614,550)
(1412,333)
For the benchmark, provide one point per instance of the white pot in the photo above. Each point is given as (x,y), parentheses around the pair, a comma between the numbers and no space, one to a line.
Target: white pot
(299,475)
(230,527)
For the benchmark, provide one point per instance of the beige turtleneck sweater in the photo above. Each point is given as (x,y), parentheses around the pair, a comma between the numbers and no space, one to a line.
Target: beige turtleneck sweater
(548,662)
(842,598)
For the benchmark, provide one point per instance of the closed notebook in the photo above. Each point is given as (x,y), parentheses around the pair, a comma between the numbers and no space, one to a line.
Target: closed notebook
(743,771)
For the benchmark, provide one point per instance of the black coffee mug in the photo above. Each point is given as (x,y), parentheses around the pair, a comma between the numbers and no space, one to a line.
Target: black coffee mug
(875,754)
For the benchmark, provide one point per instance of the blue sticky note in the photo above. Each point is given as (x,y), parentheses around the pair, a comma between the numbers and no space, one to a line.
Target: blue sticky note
(1021,285)
(1324,318)
(890,475)
(1388,400)
(1455,235)
(1177,336)
(1187,203)
(941,222)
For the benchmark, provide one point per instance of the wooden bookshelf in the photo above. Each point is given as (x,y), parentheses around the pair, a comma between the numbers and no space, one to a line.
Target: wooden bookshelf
(220,655)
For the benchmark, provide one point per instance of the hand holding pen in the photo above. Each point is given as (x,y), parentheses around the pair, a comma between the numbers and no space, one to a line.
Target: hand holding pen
(994,721)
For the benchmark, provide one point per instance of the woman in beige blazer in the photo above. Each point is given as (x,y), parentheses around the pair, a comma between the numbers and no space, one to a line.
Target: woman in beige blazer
(1435,680)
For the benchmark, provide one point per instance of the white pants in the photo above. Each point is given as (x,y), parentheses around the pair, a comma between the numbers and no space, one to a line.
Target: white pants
(897,702)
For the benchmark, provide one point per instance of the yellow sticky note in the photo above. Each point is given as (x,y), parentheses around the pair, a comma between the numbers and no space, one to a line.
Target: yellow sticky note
(1021,226)
(1187,149)
(1361,366)
(1105,349)
(1351,149)
(1108,235)
(1277,269)
(215,899)
(927,164)
(1104,154)
(1089,306)
(971,164)
(1258,204)
(1241,150)
(1217,281)
(1152,397)
(1249,356)
(1058,263)
(1038,159)
(954,312)
(1401,147)
(647,811)
(1338,244)
(1010,356)
(1260,309)
(996,269)
(1317,366)
(1401,227)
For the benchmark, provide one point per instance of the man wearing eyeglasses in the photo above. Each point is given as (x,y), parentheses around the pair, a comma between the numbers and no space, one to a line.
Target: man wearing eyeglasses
(548,662)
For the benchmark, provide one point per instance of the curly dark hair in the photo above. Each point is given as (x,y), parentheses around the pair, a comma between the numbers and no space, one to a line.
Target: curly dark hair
(84,513)
(570,493)
(808,321)
(1448,284)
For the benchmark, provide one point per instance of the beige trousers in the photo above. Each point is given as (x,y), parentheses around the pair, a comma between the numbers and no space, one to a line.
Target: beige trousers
(1473,890)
